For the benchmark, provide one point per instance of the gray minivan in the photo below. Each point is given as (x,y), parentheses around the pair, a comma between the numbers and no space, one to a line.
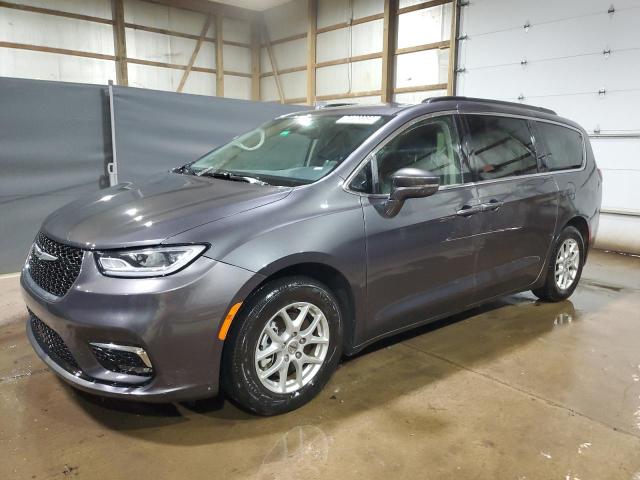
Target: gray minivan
(256,267)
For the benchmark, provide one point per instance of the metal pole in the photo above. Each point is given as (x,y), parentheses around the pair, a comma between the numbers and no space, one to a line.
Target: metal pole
(112,167)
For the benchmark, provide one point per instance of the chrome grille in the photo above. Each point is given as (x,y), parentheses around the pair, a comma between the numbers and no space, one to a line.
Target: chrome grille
(55,276)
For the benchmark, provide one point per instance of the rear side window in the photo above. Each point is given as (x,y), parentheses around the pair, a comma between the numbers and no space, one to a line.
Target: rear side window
(564,147)
(500,147)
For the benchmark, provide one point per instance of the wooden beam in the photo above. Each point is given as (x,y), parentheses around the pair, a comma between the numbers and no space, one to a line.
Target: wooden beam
(422,6)
(290,38)
(312,26)
(272,59)
(357,58)
(61,51)
(421,88)
(421,48)
(119,42)
(175,66)
(388,49)
(164,31)
(235,73)
(296,100)
(453,49)
(355,21)
(190,36)
(255,60)
(194,54)
(284,71)
(219,58)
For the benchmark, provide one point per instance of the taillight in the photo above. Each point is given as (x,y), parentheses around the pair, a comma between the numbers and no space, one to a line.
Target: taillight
(599,173)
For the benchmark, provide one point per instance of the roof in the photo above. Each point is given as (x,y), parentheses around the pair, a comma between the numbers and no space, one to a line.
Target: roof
(488,101)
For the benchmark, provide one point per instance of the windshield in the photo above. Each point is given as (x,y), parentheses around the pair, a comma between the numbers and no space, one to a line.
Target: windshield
(290,151)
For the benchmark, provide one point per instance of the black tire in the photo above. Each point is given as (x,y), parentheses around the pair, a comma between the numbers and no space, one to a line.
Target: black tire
(240,379)
(550,291)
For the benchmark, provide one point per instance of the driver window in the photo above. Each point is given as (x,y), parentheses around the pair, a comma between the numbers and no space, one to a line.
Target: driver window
(429,145)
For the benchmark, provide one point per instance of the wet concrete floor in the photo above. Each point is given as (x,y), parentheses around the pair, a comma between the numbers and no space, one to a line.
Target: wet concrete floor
(514,390)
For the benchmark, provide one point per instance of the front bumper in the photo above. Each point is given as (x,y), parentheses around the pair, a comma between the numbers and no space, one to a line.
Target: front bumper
(175,319)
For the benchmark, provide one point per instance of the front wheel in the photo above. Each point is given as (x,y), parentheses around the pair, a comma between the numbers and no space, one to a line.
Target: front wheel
(285,346)
(565,267)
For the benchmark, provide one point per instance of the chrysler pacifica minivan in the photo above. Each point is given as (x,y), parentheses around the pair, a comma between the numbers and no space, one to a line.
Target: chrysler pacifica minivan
(255,268)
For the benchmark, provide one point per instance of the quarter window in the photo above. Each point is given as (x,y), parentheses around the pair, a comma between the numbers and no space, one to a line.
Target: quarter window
(500,147)
(430,145)
(564,147)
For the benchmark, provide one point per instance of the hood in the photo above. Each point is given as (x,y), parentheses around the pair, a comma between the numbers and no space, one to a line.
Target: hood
(147,213)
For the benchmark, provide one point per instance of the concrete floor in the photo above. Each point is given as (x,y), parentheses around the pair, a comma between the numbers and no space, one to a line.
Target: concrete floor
(514,390)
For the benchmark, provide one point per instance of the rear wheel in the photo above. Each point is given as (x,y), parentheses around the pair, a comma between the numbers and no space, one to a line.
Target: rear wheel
(284,348)
(565,267)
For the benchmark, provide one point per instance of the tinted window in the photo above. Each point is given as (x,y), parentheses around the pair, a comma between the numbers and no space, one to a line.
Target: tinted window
(564,147)
(500,147)
(430,145)
(363,182)
(292,150)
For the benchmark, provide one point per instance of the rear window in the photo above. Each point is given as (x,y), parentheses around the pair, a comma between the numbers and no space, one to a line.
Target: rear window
(501,147)
(564,147)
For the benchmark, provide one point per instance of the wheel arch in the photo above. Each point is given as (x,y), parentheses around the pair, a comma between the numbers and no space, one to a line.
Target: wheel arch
(580,224)
(331,276)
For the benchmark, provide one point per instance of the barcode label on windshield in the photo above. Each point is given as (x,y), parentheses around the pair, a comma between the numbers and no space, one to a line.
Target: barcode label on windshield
(359,119)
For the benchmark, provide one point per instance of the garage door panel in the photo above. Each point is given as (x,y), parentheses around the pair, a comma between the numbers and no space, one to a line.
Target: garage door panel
(555,40)
(483,16)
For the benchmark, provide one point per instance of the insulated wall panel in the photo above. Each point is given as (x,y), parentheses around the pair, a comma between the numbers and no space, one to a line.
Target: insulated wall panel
(53,66)
(287,19)
(237,87)
(31,28)
(355,77)
(159,16)
(428,25)
(427,67)
(361,39)
(94,8)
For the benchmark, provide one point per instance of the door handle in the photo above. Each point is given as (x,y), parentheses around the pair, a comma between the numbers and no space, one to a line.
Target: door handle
(468,210)
(492,205)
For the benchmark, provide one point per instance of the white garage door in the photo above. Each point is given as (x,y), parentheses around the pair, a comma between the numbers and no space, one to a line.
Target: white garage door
(580,58)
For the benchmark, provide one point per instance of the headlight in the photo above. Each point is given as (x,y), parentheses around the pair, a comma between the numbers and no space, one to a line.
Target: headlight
(147,262)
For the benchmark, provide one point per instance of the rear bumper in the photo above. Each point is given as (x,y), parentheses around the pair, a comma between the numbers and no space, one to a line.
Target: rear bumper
(175,319)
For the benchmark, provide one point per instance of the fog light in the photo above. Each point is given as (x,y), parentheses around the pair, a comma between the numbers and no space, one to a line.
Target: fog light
(123,359)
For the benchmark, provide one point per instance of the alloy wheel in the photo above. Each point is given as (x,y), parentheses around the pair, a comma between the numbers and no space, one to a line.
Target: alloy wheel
(292,347)
(567,263)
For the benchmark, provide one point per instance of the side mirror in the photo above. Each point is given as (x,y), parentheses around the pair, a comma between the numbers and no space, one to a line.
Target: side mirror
(410,183)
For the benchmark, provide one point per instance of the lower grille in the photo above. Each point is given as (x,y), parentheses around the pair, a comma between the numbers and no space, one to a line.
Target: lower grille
(121,361)
(53,345)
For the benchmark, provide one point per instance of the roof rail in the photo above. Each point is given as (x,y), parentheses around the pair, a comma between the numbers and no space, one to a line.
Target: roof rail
(338,104)
(488,102)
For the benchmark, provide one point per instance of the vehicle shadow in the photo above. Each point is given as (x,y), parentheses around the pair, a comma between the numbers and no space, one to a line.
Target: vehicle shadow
(402,364)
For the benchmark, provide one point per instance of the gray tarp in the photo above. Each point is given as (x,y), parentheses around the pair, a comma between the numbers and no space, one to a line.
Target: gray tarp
(55,143)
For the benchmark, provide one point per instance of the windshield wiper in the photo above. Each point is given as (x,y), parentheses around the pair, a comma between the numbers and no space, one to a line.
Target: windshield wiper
(231,176)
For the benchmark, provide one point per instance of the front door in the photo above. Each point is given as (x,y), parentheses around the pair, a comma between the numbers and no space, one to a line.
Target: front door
(515,228)
(420,262)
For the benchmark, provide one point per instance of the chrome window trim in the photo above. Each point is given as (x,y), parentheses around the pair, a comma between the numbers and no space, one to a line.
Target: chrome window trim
(402,128)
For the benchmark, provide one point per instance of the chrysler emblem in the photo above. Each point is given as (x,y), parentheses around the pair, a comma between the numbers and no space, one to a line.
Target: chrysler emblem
(42,255)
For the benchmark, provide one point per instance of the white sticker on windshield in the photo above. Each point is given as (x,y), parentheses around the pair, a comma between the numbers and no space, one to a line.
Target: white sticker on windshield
(359,119)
